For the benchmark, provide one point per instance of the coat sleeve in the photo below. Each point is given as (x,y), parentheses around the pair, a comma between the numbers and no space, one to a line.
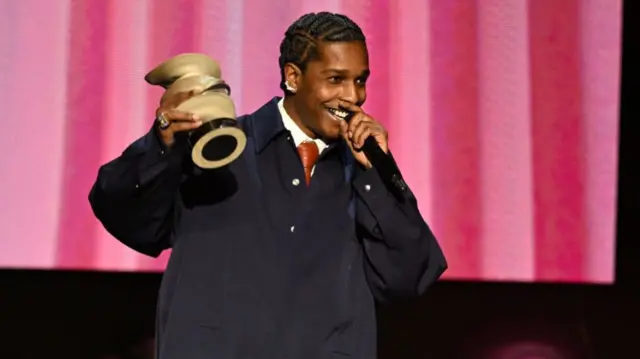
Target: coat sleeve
(402,256)
(135,195)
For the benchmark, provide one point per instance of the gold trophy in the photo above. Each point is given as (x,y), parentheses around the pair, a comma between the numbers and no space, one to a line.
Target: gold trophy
(219,140)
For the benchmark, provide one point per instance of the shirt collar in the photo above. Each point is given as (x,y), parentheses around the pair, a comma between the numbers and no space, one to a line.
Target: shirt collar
(296,132)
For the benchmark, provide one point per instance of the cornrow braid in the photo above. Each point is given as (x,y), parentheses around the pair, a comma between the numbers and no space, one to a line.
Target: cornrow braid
(300,42)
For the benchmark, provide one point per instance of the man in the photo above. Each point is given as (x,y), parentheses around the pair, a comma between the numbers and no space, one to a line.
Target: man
(273,257)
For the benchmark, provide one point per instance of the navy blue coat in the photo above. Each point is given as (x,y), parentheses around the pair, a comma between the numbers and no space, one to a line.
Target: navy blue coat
(263,267)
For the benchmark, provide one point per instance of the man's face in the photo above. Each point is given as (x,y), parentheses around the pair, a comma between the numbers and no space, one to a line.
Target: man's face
(338,74)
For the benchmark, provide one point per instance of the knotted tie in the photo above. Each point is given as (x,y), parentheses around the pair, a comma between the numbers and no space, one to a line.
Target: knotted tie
(308,151)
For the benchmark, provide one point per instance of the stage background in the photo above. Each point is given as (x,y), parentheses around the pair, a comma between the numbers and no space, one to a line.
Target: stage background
(503,115)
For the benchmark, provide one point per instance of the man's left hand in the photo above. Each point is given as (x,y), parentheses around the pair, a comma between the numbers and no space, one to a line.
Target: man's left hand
(358,129)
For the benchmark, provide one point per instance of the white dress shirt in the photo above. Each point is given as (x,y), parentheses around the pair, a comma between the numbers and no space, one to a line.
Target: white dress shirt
(297,134)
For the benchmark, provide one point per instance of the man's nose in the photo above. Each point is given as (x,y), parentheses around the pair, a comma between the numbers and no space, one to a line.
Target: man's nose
(350,94)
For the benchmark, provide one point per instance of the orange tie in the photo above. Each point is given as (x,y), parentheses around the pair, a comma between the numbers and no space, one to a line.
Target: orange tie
(308,151)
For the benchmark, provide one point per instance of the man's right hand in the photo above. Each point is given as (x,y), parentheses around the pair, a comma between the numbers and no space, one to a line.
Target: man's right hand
(178,121)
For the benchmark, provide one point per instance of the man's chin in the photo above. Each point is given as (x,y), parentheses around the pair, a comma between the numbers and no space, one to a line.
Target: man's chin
(331,135)
(328,128)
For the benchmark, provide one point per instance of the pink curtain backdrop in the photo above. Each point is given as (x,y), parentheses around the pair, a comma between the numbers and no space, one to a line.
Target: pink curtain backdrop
(503,115)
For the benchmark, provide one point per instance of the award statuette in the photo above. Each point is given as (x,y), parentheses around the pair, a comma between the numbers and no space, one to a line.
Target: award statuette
(219,140)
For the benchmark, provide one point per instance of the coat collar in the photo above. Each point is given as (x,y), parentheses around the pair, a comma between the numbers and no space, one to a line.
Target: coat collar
(266,124)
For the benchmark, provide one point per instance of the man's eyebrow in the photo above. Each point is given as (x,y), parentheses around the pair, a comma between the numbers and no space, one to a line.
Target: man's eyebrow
(364,73)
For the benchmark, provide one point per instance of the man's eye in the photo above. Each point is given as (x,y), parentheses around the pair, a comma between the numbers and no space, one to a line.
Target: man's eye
(334,79)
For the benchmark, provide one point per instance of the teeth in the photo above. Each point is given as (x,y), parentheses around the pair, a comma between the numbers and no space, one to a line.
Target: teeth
(338,113)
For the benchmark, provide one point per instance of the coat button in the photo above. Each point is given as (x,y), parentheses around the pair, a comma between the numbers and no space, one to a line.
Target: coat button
(293,229)
(295,182)
(367,188)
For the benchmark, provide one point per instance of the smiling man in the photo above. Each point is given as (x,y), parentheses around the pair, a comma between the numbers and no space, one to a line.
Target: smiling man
(282,254)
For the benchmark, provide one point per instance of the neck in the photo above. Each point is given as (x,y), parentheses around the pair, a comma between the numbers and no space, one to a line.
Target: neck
(290,107)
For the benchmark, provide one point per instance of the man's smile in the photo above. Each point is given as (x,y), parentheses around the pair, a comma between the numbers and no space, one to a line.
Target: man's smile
(337,114)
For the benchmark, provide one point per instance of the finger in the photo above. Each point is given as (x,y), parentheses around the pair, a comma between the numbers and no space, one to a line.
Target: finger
(180,126)
(176,99)
(183,96)
(351,108)
(355,121)
(344,105)
(183,126)
(361,133)
(344,128)
(172,100)
(176,116)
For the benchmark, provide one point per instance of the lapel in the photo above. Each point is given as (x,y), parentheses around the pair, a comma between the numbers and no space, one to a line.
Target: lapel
(264,124)
(260,127)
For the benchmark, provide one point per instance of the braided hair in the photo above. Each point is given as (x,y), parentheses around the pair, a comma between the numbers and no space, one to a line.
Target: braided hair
(300,42)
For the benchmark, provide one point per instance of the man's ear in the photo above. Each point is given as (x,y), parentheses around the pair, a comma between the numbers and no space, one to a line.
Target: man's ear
(292,77)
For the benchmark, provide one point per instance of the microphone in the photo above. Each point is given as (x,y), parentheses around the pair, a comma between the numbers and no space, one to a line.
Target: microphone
(383,164)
